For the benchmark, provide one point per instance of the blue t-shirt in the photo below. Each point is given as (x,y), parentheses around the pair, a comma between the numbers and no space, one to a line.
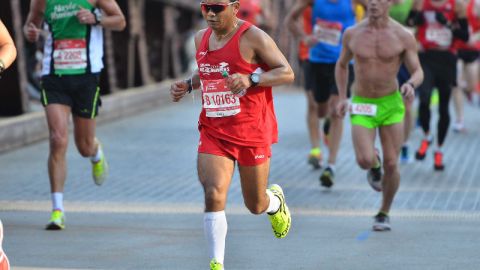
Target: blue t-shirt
(329,20)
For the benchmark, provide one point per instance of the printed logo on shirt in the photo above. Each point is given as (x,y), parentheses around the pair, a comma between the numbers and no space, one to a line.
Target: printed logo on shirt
(208,68)
(259,156)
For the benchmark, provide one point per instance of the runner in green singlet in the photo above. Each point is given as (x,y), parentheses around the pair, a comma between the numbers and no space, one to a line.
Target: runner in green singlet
(72,63)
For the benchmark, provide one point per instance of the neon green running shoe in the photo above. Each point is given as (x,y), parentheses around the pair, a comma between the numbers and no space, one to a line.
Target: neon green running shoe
(281,220)
(100,169)
(57,221)
(215,265)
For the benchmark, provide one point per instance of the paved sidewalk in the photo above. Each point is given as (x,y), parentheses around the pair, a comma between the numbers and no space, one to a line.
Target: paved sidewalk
(148,215)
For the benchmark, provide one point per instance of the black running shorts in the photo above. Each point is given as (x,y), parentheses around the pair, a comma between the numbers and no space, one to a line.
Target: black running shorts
(323,78)
(468,56)
(80,92)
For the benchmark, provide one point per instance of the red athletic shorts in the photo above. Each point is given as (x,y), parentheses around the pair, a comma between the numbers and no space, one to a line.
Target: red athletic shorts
(245,156)
(4,265)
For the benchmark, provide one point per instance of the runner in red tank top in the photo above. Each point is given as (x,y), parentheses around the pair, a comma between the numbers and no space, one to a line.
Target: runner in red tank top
(468,56)
(237,66)
(313,121)
(4,264)
(438,22)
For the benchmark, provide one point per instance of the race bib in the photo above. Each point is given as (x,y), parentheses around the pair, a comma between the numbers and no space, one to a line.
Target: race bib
(70,54)
(439,34)
(363,109)
(328,32)
(218,100)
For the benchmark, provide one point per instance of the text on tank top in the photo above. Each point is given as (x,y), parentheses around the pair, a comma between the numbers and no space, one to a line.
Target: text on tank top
(69,40)
(432,34)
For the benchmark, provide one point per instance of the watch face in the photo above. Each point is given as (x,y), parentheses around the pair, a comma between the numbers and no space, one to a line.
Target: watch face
(255,78)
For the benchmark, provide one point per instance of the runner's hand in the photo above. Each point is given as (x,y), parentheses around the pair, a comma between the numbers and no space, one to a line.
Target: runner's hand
(85,16)
(32,33)
(342,107)
(178,90)
(407,91)
(238,82)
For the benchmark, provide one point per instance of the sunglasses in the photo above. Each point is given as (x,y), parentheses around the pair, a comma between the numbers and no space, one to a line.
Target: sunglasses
(215,8)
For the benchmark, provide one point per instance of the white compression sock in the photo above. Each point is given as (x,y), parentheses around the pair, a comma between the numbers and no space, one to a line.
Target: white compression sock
(215,228)
(274,204)
(57,201)
(96,158)
(331,166)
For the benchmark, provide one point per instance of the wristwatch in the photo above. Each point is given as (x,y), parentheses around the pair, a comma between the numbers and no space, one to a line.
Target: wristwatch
(254,79)
(98,16)
(2,66)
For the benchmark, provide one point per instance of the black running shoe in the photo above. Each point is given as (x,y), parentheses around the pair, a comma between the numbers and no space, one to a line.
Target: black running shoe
(374,176)
(381,222)
(327,178)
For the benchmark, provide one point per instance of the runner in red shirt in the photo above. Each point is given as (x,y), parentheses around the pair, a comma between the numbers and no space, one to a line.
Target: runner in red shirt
(313,122)
(468,56)
(237,66)
(439,23)
(4,264)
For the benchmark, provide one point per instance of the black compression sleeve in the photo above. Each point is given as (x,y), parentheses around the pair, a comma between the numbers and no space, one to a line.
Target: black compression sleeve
(461,32)
(415,18)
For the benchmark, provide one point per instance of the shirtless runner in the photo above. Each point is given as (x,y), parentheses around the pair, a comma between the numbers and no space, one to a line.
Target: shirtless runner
(378,45)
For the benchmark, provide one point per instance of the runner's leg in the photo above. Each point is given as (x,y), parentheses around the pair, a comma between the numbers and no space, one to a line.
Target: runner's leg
(391,138)
(364,145)
(57,119)
(215,174)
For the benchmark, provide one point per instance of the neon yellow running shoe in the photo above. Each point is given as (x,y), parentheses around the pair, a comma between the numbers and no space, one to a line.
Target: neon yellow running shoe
(215,265)
(281,220)
(57,221)
(100,169)
(315,158)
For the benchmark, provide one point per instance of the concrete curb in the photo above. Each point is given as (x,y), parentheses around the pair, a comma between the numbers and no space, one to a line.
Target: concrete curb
(32,127)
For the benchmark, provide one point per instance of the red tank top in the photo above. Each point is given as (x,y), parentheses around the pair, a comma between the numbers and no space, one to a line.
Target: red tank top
(474,28)
(303,49)
(249,10)
(432,34)
(248,120)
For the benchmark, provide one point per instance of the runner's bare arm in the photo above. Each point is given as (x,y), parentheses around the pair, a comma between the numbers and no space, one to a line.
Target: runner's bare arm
(411,61)
(341,67)
(34,21)
(180,88)
(258,47)
(341,73)
(113,18)
(8,52)
(292,20)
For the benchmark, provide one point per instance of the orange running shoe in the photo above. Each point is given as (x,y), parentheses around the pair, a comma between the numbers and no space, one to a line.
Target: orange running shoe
(422,151)
(438,161)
